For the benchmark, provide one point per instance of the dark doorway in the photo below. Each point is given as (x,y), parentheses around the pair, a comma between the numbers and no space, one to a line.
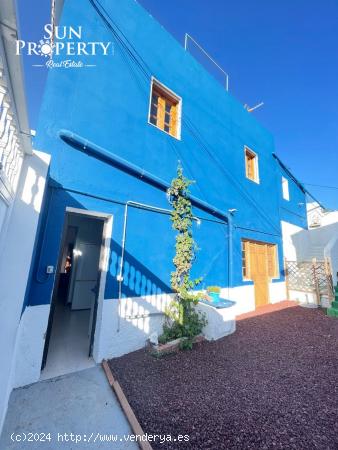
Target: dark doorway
(73,311)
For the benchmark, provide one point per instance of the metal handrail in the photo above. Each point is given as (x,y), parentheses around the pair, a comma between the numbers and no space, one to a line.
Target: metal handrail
(186,40)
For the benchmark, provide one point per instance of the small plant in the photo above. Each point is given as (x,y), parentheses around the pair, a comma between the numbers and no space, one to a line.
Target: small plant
(215,289)
(186,344)
(170,332)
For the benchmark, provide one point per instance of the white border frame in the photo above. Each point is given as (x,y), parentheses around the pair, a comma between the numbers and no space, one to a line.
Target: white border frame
(176,97)
(285,193)
(103,267)
(257,180)
(246,279)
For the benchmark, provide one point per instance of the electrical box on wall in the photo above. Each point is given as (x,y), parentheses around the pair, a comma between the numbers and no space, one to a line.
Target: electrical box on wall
(50,269)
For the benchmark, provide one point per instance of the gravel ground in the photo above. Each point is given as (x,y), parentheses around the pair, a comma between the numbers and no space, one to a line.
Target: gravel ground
(271,385)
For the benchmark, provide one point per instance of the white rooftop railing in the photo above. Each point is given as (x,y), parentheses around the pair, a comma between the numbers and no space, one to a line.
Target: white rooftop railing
(188,38)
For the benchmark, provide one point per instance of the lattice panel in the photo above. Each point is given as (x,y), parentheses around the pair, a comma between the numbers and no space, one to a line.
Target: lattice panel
(300,276)
(310,276)
(323,278)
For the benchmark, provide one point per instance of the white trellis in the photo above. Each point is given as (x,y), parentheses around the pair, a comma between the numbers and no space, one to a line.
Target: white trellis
(310,277)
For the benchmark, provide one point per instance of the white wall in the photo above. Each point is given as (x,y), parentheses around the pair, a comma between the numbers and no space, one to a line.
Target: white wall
(278,292)
(326,238)
(304,245)
(15,260)
(30,343)
(291,247)
(332,252)
(124,329)
(244,296)
(319,243)
(220,322)
(117,333)
(319,217)
(307,298)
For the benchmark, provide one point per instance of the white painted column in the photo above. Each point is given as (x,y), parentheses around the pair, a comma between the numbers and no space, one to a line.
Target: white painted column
(19,354)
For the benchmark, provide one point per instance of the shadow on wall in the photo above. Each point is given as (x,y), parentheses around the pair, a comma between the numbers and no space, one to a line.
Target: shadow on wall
(138,280)
(124,326)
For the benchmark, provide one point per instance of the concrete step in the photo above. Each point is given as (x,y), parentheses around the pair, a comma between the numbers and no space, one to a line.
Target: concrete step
(332,312)
(315,251)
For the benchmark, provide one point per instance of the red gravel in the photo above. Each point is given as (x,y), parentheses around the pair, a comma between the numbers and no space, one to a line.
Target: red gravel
(271,385)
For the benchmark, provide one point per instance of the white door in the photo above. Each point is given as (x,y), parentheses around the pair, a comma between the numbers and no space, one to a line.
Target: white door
(86,275)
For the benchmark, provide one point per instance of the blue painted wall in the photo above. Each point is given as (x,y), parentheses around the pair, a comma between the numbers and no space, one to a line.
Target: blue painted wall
(108,105)
(293,210)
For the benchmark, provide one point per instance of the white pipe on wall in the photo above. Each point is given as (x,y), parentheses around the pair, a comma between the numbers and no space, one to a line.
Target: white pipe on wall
(124,234)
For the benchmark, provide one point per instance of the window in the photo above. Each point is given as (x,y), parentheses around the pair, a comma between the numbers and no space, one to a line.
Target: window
(269,254)
(285,187)
(273,266)
(251,165)
(245,260)
(165,110)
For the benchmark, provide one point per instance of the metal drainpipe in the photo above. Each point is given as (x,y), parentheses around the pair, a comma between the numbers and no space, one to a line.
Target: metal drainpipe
(116,161)
(124,234)
(230,250)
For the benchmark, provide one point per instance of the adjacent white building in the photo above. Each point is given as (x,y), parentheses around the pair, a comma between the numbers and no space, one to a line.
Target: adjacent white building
(317,247)
(22,179)
(322,236)
(319,241)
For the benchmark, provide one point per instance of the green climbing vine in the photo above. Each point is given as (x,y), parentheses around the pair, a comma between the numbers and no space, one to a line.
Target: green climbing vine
(183,319)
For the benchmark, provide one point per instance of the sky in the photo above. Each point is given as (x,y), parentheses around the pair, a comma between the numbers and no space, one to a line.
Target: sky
(283,53)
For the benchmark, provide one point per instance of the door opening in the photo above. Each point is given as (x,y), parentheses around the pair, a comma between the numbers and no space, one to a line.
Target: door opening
(71,327)
(260,264)
(259,273)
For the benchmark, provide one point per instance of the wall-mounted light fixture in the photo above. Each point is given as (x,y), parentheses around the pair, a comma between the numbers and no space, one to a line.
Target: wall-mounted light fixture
(232,211)
(198,221)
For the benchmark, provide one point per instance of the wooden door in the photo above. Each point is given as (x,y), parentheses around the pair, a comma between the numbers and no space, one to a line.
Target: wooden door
(259,272)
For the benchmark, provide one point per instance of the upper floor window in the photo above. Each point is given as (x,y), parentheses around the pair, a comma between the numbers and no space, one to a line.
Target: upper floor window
(285,188)
(165,109)
(251,165)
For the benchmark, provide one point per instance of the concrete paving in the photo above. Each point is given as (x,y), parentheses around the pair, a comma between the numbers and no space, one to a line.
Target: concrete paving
(81,403)
(68,327)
